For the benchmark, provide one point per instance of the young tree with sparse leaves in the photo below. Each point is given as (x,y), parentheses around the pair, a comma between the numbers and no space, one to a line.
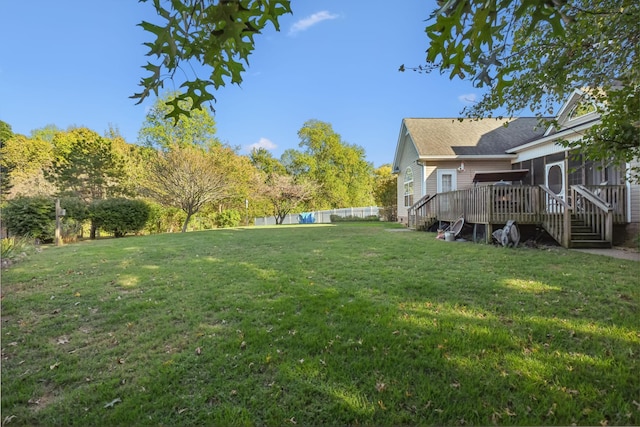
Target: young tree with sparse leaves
(285,194)
(186,177)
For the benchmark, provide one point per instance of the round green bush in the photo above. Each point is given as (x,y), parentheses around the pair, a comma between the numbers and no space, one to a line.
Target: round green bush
(119,216)
(228,218)
(30,217)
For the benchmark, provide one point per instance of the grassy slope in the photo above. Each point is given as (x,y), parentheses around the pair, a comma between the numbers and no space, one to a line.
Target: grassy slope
(348,324)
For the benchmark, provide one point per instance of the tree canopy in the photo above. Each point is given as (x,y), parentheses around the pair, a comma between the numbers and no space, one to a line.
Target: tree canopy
(219,35)
(535,53)
(161,131)
(340,169)
(85,165)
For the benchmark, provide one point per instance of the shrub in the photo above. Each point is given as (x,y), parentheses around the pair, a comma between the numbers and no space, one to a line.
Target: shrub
(119,216)
(163,219)
(13,249)
(351,218)
(31,216)
(228,218)
(77,213)
(75,208)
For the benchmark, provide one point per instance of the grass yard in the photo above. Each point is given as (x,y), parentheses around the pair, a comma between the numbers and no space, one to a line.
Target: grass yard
(318,325)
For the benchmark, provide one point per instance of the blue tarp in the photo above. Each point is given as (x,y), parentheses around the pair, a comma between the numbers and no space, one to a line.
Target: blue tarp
(306,218)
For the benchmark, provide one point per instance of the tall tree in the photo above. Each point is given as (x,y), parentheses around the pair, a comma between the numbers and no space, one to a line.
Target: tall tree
(385,191)
(188,177)
(339,168)
(160,131)
(26,159)
(5,134)
(263,160)
(219,35)
(85,165)
(535,53)
(45,133)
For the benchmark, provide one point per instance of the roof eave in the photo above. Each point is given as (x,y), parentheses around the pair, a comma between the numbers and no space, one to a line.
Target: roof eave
(550,138)
(468,157)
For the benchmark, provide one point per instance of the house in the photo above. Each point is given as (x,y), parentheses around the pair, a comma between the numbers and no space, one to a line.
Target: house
(450,168)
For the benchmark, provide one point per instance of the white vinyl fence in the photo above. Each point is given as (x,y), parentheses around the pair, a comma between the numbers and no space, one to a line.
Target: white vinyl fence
(321,217)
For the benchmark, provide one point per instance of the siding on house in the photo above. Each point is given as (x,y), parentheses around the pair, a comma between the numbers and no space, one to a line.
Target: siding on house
(409,155)
(464,178)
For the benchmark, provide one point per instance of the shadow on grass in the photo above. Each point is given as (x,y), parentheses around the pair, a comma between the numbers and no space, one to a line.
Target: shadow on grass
(347,326)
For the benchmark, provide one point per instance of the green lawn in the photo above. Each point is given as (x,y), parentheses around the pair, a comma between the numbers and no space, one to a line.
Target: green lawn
(308,325)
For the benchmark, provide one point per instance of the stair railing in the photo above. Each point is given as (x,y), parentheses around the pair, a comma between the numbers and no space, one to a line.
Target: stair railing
(556,216)
(593,211)
(421,211)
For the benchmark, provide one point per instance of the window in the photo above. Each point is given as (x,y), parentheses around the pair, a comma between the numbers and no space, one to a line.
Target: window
(408,187)
(581,109)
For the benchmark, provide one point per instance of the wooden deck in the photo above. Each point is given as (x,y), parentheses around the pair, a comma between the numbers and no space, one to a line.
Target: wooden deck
(595,207)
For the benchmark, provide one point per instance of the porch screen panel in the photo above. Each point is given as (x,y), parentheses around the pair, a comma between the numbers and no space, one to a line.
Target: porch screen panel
(537,171)
(576,169)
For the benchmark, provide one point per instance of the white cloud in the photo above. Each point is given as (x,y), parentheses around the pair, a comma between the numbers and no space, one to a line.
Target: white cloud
(467,98)
(263,143)
(310,21)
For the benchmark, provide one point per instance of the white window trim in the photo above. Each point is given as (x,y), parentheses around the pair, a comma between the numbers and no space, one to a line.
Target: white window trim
(404,186)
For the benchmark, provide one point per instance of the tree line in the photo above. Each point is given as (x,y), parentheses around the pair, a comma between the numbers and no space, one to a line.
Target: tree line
(178,176)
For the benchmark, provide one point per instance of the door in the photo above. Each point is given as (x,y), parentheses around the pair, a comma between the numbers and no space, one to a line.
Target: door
(446,182)
(554,180)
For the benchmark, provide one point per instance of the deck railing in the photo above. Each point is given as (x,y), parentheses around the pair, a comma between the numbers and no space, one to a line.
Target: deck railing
(595,212)
(422,212)
(496,204)
(556,216)
(615,196)
(491,204)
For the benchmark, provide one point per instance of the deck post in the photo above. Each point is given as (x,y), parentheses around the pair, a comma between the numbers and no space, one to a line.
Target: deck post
(608,227)
(566,236)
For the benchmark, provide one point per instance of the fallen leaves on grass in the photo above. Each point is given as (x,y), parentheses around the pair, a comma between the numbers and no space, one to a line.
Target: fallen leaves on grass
(113,402)
(8,419)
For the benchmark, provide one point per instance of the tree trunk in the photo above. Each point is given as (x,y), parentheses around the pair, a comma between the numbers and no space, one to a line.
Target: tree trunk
(93,231)
(186,222)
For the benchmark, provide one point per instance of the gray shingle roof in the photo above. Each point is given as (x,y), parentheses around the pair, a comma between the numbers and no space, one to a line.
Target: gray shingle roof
(448,137)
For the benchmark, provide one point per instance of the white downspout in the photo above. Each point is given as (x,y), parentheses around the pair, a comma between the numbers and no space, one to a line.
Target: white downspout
(628,185)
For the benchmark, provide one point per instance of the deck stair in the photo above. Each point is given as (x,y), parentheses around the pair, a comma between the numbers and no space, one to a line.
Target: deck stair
(583,237)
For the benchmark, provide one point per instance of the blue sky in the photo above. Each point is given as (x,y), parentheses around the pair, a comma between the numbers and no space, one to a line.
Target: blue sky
(76,62)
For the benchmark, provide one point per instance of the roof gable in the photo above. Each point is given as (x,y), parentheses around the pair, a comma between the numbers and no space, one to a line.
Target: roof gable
(567,117)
